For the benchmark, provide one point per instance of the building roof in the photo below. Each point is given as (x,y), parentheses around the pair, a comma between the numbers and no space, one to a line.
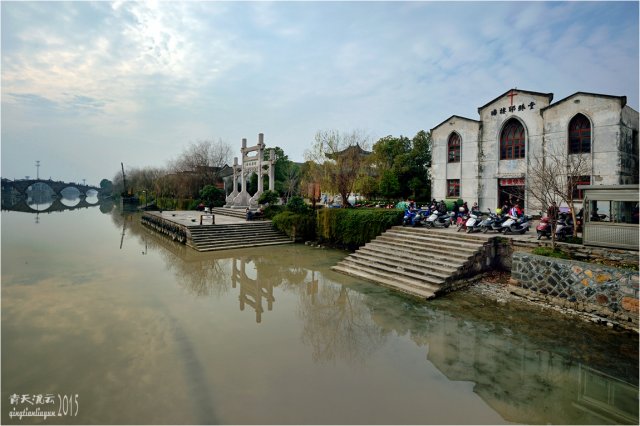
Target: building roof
(455,116)
(548,95)
(356,147)
(622,99)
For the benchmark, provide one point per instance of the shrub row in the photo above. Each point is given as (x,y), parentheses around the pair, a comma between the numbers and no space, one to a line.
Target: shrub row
(355,227)
(295,225)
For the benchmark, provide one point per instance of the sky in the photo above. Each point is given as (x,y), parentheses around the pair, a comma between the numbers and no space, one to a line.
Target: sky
(87,85)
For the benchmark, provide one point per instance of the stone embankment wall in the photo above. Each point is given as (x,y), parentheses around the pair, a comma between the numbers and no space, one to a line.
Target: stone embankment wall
(174,230)
(606,256)
(601,290)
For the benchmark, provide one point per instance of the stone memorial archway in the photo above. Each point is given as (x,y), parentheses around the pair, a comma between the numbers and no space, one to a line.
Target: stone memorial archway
(252,162)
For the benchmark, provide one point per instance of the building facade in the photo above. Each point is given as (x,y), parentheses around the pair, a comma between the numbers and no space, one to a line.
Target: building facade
(488,160)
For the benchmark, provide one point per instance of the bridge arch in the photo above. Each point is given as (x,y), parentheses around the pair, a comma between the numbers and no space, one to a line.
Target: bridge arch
(20,186)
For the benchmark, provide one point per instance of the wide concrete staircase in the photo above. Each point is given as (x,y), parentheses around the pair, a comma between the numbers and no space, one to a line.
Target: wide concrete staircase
(232,236)
(417,261)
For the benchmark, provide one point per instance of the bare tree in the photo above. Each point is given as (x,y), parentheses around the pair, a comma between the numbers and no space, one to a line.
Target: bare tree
(339,160)
(554,176)
(199,164)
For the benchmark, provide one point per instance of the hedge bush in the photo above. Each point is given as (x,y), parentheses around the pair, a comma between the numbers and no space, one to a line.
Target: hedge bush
(272,210)
(295,225)
(355,227)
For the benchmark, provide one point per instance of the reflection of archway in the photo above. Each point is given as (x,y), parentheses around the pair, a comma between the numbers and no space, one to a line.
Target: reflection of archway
(252,291)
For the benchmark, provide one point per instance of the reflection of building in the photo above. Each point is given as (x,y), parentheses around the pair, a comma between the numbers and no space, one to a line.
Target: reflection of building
(610,399)
(489,159)
(524,383)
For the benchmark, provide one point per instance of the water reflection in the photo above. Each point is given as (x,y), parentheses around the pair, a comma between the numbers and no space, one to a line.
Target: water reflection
(131,321)
(528,366)
(45,201)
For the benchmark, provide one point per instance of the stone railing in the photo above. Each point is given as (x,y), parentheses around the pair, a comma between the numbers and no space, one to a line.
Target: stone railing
(601,290)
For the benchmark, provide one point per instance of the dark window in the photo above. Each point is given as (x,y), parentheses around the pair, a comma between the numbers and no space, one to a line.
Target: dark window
(453,188)
(453,147)
(579,135)
(512,141)
(574,181)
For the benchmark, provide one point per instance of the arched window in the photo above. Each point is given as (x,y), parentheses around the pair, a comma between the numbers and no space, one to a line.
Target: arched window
(512,141)
(453,148)
(579,135)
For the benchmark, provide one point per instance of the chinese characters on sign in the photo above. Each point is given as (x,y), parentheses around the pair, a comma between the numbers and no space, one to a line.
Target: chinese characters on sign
(513,108)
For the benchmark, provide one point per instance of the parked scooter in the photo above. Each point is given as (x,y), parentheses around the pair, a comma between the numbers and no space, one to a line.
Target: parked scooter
(564,228)
(461,222)
(473,222)
(436,219)
(420,216)
(408,217)
(515,225)
(544,227)
(492,223)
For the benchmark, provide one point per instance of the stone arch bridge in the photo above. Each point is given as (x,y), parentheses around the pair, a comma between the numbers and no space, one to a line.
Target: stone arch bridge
(20,186)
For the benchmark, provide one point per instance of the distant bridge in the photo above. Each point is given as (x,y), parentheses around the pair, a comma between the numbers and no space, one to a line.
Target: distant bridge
(20,186)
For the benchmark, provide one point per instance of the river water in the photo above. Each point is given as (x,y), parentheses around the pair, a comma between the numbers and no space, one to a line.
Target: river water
(112,324)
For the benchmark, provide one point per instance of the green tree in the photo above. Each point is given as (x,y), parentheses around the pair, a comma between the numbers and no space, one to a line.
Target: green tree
(297,205)
(211,194)
(340,160)
(408,159)
(106,186)
(389,185)
(268,197)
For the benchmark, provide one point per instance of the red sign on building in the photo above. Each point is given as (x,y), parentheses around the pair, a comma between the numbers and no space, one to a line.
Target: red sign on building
(511,182)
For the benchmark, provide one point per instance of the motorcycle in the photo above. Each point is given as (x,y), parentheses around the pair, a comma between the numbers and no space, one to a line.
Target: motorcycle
(473,222)
(437,219)
(515,224)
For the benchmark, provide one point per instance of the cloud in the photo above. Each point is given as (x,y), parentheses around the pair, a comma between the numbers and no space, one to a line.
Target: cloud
(148,77)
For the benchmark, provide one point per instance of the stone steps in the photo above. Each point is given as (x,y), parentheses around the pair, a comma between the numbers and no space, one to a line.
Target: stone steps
(224,237)
(239,213)
(424,290)
(415,261)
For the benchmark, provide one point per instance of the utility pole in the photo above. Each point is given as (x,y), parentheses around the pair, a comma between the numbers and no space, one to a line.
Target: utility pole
(38,169)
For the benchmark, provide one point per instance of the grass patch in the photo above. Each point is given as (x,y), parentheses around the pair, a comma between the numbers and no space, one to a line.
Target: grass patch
(549,252)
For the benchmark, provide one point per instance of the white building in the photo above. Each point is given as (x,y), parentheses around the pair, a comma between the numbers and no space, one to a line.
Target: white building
(487,160)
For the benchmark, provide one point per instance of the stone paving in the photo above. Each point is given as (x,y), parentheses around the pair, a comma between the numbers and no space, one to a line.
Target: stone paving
(530,235)
(192,217)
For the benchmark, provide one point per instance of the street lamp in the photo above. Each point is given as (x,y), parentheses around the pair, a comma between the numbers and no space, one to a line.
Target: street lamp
(38,169)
